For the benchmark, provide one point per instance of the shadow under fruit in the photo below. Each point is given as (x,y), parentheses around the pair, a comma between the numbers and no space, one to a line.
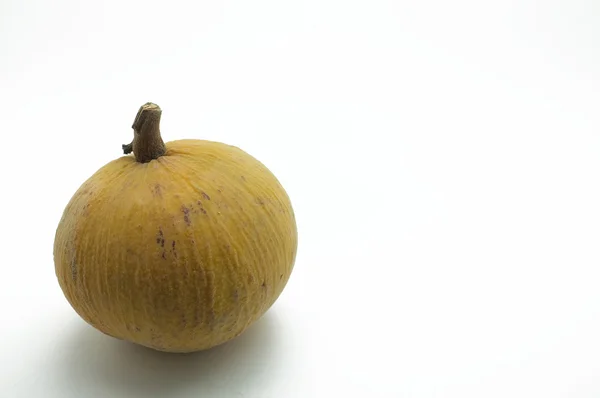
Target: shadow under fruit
(179,247)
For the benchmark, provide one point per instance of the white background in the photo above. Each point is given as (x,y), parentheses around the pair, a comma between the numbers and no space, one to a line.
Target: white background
(443,159)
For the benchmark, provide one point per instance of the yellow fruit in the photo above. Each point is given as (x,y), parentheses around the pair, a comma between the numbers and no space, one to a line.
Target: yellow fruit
(180,247)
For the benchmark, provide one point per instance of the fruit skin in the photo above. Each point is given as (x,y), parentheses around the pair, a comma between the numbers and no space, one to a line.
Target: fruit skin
(181,253)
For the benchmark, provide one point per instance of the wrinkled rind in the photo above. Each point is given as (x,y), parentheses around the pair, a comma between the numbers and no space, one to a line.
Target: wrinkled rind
(179,254)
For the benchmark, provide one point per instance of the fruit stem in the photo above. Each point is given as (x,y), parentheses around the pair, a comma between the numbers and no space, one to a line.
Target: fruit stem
(147,143)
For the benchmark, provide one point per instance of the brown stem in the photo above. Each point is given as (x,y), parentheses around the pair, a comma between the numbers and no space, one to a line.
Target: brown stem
(147,143)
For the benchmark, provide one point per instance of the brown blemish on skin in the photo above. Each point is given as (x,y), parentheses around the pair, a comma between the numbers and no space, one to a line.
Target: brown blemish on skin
(202,209)
(164,255)
(186,215)
(173,249)
(205,196)
(260,201)
(160,238)
(236,295)
(243,178)
(157,190)
(264,285)
(281,277)
(74,269)
(137,329)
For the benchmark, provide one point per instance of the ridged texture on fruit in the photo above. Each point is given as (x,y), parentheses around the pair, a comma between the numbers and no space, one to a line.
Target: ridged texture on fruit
(179,254)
